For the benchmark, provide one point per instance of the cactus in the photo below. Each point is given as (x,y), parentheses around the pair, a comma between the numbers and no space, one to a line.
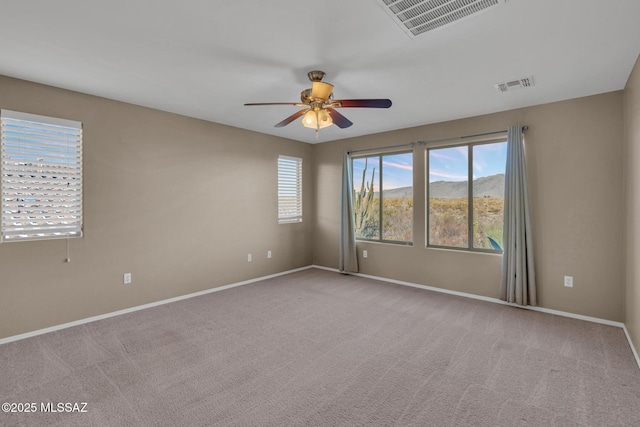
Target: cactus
(363,200)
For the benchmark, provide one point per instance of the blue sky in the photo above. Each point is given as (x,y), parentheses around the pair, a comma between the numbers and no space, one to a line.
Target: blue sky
(451,164)
(445,164)
(397,171)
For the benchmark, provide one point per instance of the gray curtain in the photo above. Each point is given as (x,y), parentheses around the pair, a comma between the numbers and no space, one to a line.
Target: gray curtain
(348,254)
(518,282)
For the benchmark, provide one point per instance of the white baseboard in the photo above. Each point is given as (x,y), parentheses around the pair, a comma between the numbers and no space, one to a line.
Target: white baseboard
(142,307)
(498,301)
(633,349)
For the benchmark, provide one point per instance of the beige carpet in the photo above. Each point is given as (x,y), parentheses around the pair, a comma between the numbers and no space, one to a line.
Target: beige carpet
(317,348)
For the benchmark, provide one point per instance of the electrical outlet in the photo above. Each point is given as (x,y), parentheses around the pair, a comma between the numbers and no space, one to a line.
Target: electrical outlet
(568,281)
(364,253)
(269,254)
(127,278)
(249,258)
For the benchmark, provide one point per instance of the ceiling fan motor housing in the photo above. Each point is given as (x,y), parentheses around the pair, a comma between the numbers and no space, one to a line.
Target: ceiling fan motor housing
(305,96)
(316,75)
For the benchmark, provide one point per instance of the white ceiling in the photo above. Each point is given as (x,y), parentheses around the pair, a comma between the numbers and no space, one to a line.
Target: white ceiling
(206,58)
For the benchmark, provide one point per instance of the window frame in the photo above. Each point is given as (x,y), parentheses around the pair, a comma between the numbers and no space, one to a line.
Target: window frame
(290,163)
(380,210)
(470,215)
(52,176)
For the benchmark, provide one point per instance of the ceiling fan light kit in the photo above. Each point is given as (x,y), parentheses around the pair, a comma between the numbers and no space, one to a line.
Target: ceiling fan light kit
(321,91)
(317,119)
(319,111)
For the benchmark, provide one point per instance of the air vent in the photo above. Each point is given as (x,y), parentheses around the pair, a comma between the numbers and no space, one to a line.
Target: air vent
(417,17)
(515,84)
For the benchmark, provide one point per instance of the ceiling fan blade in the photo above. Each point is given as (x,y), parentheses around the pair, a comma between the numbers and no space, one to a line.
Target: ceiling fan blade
(291,118)
(338,119)
(253,104)
(361,103)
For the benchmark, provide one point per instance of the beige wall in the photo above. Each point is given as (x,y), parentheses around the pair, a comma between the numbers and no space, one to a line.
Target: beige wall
(178,202)
(574,159)
(632,207)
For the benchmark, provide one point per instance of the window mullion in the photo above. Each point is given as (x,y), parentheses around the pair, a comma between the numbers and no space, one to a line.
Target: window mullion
(470,195)
(380,201)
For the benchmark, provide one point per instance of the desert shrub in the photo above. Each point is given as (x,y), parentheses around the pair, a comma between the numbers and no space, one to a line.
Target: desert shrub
(397,219)
(448,221)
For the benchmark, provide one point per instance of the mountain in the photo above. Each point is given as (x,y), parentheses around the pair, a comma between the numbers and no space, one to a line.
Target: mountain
(488,186)
(402,192)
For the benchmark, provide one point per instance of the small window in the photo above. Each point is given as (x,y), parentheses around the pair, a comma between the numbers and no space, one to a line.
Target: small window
(41,177)
(463,216)
(289,189)
(386,215)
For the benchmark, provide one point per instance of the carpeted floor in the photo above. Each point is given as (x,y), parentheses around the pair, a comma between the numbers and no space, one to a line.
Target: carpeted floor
(317,348)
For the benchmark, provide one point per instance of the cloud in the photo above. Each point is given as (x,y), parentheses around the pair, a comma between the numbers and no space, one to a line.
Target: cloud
(437,155)
(463,150)
(398,165)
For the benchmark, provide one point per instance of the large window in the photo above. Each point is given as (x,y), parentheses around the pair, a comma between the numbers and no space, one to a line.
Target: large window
(289,189)
(463,215)
(41,177)
(383,197)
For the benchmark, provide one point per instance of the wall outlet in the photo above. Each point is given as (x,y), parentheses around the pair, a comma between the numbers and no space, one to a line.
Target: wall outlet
(249,258)
(127,278)
(568,281)
(364,253)
(269,254)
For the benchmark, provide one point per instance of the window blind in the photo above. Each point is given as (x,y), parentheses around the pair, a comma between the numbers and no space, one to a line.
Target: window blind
(41,177)
(289,189)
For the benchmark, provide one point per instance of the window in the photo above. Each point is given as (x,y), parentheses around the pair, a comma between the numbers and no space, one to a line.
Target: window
(41,177)
(461,215)
(289,189)
(388,215)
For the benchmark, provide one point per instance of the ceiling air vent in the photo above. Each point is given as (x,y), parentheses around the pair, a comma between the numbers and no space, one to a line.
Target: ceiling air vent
(515,84)
(416,17)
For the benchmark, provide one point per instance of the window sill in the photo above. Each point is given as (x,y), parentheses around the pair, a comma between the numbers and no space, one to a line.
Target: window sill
(386,242)
(464,251)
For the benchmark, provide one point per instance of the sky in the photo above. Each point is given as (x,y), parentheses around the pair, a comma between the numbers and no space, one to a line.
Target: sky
(397,171)
(445,164)
(451,164)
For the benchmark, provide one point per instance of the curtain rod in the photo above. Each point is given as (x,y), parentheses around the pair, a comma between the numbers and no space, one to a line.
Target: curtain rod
(468,136)
(412,144)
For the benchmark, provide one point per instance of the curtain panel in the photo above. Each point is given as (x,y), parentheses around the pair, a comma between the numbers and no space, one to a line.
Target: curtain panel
(518,280)
(348,254)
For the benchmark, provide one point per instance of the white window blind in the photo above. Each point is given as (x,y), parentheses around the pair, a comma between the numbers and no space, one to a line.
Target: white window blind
(289,189)
(41,177)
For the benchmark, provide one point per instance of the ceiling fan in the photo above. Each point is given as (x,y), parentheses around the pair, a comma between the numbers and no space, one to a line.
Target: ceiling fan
(319,105)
